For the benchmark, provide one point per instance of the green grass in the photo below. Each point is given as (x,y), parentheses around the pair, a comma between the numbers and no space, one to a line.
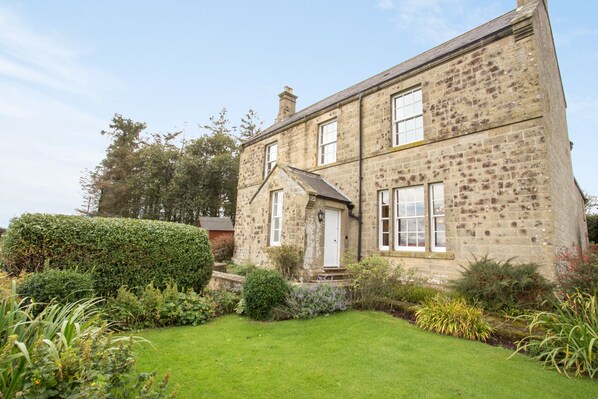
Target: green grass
(345,355)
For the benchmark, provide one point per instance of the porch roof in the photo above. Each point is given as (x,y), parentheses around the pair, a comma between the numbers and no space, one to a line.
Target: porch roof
(317,184)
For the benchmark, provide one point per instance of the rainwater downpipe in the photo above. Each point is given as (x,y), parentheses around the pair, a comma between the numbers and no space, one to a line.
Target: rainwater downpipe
(359,190)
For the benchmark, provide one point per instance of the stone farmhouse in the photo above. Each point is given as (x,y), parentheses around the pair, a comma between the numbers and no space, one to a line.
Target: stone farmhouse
(460,151)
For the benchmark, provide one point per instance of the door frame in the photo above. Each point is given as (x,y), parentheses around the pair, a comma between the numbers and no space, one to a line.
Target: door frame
(338,238)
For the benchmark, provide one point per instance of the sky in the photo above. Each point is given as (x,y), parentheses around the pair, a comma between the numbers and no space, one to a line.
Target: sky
(66,67)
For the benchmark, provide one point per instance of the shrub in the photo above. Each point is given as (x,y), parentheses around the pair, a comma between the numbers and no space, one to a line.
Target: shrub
(288,260)
(156,308)
(592,221)
(450,316)
(223,248)
(307,302)
(63,286)
(262,291)
(116,251)
(225,302)
(500,285)
(243,269)
(414,293)
(64,352)
(568,339)
(578,270)
(373,279)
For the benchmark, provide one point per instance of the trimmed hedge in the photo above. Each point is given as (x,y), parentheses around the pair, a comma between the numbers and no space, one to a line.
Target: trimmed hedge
(263,290)
(116,252)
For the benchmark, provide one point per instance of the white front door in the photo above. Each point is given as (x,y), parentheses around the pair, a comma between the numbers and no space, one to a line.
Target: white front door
(332,222)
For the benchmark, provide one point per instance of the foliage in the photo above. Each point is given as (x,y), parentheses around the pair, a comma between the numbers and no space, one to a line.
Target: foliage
(374,278)
(63,286)
(250,125)
(155,308)
(349,355)
(223,248)
(64,352)
(590,203)
(414,293)
(592,221)
(450,316)
(162,177)
(2,231)
(577,270)
(115,251)
(307,302)
(225,302)
(288,260)
(262,291)
(566,339)
(500,285)
(244,269)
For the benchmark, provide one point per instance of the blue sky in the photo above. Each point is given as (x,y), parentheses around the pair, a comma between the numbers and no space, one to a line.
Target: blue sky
(67,66)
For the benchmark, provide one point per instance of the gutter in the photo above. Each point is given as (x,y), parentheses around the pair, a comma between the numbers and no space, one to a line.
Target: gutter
(360,181)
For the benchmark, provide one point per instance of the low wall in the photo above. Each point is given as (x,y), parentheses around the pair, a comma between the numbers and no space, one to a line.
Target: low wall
(226,282)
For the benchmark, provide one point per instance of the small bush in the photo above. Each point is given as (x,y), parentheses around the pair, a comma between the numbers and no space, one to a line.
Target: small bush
(500,285)
(414,293)
(373,279)
(263,290)
(307,302)
(115,251)
(592,221)
(454,317)
(156,308)
(244,269)
(223,248)
(225,302)
(578,271)
(288,260)
(569,336)
(62,286)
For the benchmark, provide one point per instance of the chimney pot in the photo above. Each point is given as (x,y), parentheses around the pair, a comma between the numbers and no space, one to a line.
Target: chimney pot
(287,104)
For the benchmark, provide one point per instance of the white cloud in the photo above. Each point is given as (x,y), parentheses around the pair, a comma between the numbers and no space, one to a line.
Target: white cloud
(435,21)
(47,137)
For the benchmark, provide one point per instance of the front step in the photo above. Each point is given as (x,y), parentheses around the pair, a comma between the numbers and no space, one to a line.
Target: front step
(332,275)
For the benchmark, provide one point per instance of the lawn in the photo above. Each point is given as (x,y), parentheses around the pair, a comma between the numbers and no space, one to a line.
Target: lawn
(346,355)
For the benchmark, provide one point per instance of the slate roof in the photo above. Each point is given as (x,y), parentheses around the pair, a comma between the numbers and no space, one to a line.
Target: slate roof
(481,33)
(317,184)
(217,224)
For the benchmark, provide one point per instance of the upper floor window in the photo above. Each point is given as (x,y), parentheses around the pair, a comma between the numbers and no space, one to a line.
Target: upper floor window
(407,117)
(410,223)
(327,143)
(276,219)
(271,156)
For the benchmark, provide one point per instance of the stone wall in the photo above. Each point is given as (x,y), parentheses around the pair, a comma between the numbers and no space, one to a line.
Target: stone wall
(494,133)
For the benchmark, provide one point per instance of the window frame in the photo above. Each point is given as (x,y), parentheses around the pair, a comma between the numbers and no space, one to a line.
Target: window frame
(322,145)
(418,219)
(276,199)
(432,217)
(267,158)
(381,220)
(415,117)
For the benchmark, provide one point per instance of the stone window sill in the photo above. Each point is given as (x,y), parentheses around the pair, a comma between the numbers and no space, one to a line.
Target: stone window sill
(417,254)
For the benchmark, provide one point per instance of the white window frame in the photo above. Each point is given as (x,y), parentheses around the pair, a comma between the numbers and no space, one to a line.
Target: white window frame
(276,216)
(270,158)
(437,217)
(327,149)
(382,219)
(407,117)
(401,204)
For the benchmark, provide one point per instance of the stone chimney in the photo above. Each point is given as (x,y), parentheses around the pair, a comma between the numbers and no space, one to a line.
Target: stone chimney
(521,3)
(287,104)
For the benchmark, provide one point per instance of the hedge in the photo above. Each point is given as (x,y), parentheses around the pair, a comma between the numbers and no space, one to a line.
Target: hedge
(115,251)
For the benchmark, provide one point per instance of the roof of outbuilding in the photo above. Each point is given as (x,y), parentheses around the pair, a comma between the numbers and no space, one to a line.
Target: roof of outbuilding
(214,223)
(475,35)
(317,184)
